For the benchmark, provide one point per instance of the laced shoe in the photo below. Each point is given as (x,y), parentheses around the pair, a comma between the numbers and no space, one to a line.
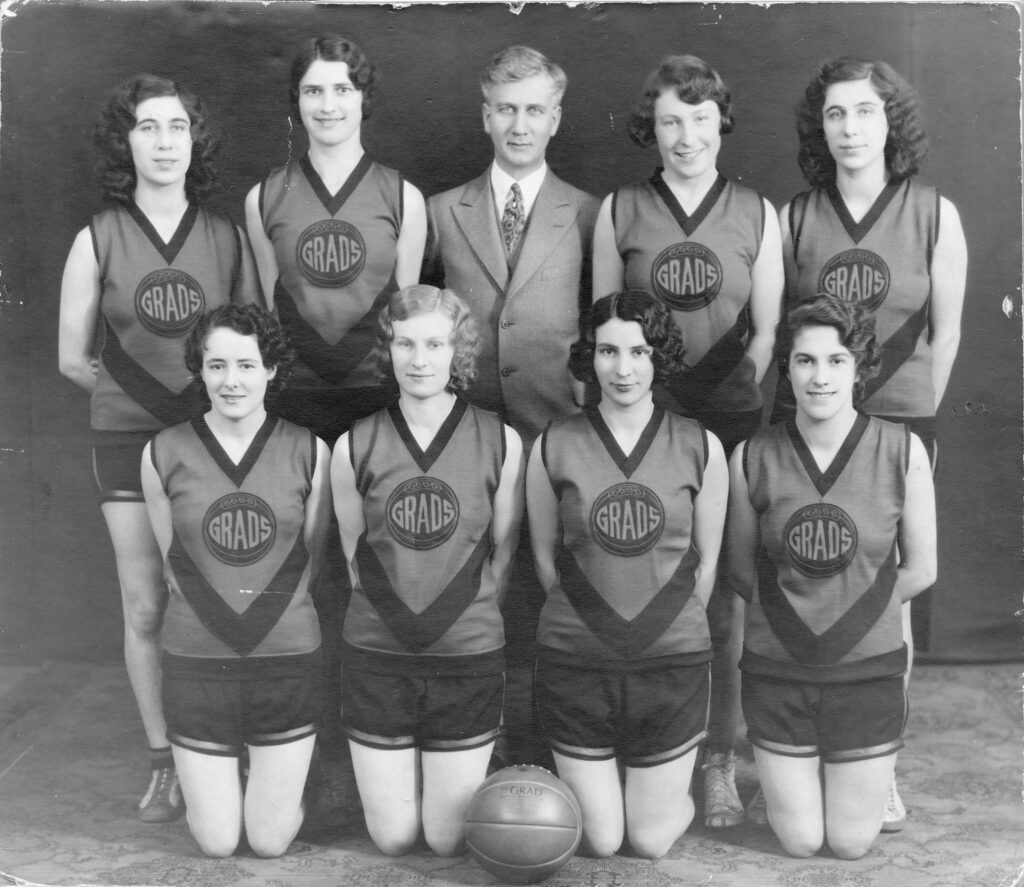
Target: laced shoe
(163,801)
(895,816)
(722,807)
(757,809)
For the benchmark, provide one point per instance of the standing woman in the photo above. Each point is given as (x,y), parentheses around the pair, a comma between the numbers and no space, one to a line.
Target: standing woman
(870,234)
(831,530)
(136,280)
(709,250)
(335,234)
(240,505)
(428,494)
(626,504)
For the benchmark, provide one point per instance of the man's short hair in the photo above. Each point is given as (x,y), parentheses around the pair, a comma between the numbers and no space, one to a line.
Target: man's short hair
(518,63)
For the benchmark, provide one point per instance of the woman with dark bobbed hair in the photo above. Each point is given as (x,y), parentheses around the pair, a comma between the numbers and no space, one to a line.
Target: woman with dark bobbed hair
(831,530)
(626,504)
(428,495)
(709,250)
(240,505)
(869,233)
(136,280)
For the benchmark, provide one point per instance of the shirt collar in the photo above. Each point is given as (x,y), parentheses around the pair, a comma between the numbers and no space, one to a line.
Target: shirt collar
(530,185)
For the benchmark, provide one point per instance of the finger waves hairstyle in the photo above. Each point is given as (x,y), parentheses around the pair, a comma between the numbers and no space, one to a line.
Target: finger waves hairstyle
(659,329)
(116,169)
(332,48)
(693,80)
(855,326)
(422,299)
(246,320)
(518,63)
(907,144)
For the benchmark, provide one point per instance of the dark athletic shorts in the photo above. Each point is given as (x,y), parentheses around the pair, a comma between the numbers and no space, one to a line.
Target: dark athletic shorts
(220,717)
(837,722)
(644,717)
(117,465)
(444,713)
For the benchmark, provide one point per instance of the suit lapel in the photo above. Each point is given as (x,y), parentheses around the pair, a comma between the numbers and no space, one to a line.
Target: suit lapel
(474,214)
(550,219)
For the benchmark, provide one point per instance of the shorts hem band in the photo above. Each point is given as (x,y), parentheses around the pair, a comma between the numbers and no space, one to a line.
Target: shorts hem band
(673,754)
(853,755)
(471,742)
(782,748)
(284,737)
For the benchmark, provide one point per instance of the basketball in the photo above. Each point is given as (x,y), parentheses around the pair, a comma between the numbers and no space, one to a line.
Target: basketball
(523,824)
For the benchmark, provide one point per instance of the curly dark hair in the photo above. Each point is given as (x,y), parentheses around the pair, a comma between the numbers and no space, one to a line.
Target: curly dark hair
(907,144)
(423,299)
(855,326)
(659,329)
(332,48)
(693,80)
(247,320)
(116,169)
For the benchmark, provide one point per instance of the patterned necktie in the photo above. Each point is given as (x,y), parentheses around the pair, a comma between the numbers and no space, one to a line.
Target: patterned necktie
(513,219)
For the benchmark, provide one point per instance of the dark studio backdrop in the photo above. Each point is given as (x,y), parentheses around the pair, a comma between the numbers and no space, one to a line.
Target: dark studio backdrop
(58,592)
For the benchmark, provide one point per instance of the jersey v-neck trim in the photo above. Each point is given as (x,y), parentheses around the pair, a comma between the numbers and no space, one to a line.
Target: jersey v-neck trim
(626,464)
(235,473)
(333,203)
(858,230)
(426,458)
(824,480)
(172,247)
(688,224)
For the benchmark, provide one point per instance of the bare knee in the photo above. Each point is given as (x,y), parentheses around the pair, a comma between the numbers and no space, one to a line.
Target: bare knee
(600,846)
(850,845)
(393,845)
(268,844)
(218,845)
(800,845)
(447,845)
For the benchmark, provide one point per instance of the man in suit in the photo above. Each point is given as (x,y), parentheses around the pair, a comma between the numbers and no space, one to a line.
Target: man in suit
(515,244)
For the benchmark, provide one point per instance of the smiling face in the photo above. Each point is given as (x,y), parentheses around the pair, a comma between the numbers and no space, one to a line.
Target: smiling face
(823,373)
(421,351)
(689,136)
(330,106)
(161,142)
(623,363)
(521,117)
(236,379)
(855,125)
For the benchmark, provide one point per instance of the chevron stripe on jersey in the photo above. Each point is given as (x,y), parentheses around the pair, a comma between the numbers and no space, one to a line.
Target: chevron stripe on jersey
(237,565)
(626,574)
(425,583)
(336,260)
(825,607)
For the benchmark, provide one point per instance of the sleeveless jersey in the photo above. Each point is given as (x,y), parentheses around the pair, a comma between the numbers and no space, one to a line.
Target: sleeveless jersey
(425,586)
(626,563)
(237,565)
(883,263)
(824,609)
(152,294)
(336,264)
(699,266)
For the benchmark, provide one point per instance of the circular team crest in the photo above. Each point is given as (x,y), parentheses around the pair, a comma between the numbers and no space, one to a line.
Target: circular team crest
(627,519)
(821,540)
(858,276)
(686,276)
(239,529)
(422,513)
(331,253)
(168,302)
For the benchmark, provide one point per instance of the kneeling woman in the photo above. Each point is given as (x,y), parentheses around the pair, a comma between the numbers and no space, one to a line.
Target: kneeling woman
(626,504)
(240,502)
(831,530)
(428,495)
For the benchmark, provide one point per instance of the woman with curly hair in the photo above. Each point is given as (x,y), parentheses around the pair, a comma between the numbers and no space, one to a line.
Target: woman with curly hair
(626,504)
(136,280)
(869,233)
(831,530)
(709,249)
(428,495)
(239,500)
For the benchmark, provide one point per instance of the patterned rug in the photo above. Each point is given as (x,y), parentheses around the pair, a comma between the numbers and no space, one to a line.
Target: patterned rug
(72,766)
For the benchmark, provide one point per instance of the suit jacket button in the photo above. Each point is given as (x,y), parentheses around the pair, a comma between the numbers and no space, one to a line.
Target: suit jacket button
(505,324)
(507,371)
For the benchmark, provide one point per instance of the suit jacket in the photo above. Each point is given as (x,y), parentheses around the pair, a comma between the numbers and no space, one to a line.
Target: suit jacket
(528,317)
